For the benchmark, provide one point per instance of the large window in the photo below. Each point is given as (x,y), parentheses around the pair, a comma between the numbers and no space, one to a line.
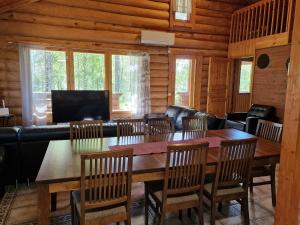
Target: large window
(48,72)
(127,77)
(183,81)
(89,71)
(245,77)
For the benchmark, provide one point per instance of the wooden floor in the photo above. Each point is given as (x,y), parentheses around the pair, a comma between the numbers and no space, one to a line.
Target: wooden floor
(24,209)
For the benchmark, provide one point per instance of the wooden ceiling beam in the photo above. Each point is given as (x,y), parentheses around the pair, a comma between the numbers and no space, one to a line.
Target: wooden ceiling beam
(8,5)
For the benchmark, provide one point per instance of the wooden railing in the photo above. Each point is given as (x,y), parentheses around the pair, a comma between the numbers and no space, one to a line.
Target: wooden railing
(264,18)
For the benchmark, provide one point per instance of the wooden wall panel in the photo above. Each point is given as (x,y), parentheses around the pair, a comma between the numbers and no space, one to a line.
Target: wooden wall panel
(10,87)
(269,85)
(116,24)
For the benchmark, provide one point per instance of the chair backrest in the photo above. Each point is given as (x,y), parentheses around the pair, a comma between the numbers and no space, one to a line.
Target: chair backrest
(234,163)
(160,126)
(105,179)
(130,127)
(194,123)
(86,129)
(185,168)
(269,130)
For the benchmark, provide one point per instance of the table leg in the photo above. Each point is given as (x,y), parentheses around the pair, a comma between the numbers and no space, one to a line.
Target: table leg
(53,201)
(43,203)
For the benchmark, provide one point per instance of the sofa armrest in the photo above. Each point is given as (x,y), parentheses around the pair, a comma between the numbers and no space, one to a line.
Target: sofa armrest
(236,116)
(251,124)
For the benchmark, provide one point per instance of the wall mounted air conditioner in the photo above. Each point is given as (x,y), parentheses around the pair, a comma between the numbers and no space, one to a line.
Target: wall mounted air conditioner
(157,38)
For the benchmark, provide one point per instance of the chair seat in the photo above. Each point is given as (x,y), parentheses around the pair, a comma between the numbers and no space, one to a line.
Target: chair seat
(177,199)
(97,214)
(226,191)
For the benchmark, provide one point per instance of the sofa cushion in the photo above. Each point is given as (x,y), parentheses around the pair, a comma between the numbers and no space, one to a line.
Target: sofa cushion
(235,125)
(173,111)
(183,113)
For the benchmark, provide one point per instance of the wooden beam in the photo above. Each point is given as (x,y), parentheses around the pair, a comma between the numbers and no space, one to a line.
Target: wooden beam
(289,184)
(7,5)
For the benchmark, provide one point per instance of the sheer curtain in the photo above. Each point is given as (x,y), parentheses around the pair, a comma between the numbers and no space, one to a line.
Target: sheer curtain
(136,84)
(183,6)
(143,104)
(26,84)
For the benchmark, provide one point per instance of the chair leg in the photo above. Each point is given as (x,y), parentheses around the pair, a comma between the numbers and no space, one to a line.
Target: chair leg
(273,186)
(72,208)
(220,205)
(246,211)
(128,221)
(162,215)
(251,184)
(189,212)
(180,214)
(213,213)
(146,205)
(200,213)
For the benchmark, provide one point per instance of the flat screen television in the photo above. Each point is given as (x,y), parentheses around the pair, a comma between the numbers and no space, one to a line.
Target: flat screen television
(70,106)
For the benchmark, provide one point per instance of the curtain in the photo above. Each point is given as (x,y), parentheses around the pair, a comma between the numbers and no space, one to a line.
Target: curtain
(26,84)
(139,86)
(143,105)
(183,6)
(34,103)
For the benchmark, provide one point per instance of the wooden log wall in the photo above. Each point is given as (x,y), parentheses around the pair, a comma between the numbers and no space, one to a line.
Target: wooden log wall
(10,86)
(116,24)
(269,84)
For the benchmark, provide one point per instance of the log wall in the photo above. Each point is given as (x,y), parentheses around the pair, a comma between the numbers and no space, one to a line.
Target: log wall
(116,24)
(270,84)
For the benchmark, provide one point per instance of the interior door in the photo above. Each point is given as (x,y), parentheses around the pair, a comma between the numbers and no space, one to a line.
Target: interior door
(219,86)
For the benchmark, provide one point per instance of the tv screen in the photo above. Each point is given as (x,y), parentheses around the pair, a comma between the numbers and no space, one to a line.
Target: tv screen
(70,106)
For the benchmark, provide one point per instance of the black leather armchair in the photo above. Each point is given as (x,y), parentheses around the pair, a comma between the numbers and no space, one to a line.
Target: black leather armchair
(248,121)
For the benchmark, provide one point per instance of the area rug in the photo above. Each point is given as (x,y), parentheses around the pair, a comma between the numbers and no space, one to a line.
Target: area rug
(19,207)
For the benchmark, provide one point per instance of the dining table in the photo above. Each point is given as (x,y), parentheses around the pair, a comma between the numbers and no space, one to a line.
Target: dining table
(60,170)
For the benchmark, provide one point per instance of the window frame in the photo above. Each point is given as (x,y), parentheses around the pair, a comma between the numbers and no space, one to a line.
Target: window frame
(195,78)
(251,76)
(176,23)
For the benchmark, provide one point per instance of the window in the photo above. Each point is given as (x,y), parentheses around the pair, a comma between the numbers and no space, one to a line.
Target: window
(48,72)
(89,71)
(130,83)
(245,77)
(182,10)
(127,78)
(182,81)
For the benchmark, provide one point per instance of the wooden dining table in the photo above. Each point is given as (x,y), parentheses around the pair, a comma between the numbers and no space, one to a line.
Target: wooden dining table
(60,170)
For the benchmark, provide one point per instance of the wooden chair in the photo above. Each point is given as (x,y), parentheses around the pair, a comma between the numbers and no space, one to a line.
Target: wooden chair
(270,131)
(194,123)
(105,189)
(86,129)
(162,125)
(232,176)
(183,182)
(130,127)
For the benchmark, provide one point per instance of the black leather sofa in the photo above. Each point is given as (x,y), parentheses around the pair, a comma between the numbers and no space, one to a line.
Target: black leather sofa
(177,112)
(247,121)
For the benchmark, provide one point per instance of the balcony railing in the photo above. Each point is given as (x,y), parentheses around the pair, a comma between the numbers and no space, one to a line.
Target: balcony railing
(264,18)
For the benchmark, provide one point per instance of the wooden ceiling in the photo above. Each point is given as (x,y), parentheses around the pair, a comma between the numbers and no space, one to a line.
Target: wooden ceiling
(6,5)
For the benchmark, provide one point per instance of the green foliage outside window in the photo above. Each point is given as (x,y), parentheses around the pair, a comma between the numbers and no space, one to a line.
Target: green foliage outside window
(182,78)
(89,71)
(245,77)
(48,70)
